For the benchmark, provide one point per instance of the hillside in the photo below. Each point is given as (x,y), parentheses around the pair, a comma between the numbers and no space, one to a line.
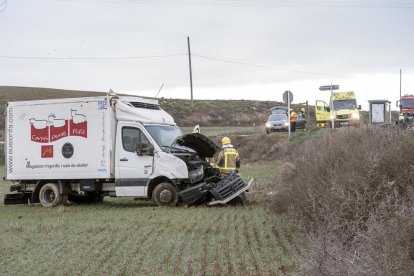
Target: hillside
(203,112)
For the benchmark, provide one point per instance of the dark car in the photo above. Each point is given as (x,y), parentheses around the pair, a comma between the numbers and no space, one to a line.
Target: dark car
(300,122)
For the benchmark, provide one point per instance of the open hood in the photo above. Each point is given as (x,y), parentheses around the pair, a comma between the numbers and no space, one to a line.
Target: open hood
(199,143)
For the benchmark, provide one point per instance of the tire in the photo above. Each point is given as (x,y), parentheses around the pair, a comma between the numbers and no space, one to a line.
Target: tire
(165,194)
(49,195)
(241,200)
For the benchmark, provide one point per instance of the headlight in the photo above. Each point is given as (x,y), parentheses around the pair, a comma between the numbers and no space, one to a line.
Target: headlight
(196,175)
(355,116)
(286,124)
(332,116)
(268,125)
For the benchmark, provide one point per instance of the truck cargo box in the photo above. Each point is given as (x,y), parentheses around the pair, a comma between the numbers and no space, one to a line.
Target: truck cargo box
(59,139)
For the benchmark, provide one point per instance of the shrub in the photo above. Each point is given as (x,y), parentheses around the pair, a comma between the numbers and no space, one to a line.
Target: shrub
(351,192)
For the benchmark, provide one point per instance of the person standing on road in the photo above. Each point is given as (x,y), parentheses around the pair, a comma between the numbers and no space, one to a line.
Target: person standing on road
(293,118)
(228,159)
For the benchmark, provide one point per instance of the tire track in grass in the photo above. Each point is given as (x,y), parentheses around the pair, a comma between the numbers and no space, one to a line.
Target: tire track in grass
(288,248)
(52,241)
(211,254)
(136,244)
(125,252)
(241,248)
(275,250)
(187,260)
(233,245)
(266,244)
(258,236)
(165,244)
(293,244)
(285,258)
(223,248)
(93,244)
(252,244)
(108,252)
(203,257)
(113,261)
(201,232)
(144,252)
(95,258)
(70,248)
(173,262)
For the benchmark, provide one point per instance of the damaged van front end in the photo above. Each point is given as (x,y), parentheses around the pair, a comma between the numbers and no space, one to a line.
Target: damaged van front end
(205,183)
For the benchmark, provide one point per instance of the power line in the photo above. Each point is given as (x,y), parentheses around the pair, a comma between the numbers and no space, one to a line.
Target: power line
(259,3)
(235,61)
(91,58)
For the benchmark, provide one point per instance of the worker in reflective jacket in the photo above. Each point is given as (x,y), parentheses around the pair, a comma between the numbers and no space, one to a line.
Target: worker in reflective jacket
(293,119)
(228,159)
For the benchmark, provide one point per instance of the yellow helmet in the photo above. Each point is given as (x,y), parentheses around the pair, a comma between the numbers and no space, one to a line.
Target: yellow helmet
(225,140)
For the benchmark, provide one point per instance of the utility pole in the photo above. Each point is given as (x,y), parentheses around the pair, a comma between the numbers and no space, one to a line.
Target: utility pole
(400,81)
(191,73)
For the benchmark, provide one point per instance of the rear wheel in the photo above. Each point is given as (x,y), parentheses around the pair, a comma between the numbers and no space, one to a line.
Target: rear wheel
(165,194)
(49,195)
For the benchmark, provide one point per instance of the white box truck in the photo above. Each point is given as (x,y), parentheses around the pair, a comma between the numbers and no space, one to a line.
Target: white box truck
(83,149)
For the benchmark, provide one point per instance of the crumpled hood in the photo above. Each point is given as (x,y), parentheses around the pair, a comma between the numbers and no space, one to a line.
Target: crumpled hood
(199,143)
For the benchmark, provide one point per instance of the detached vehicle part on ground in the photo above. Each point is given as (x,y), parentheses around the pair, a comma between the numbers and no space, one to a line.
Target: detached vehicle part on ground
(83,149)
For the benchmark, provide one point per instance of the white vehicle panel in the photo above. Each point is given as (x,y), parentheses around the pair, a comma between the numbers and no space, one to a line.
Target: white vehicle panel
(59,139)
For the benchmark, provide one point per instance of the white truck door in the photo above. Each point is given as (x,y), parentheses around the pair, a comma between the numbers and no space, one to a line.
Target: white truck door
(132,170)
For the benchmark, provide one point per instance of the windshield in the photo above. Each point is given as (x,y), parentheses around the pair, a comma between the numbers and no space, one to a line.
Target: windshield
(277,117)
(344,104)
(164,135)
(407,103)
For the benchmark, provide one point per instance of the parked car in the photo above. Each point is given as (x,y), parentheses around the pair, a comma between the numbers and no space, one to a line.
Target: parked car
(277,122)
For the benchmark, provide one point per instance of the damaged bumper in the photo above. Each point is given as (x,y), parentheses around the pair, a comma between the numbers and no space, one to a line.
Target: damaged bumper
(222,192)
(231,190)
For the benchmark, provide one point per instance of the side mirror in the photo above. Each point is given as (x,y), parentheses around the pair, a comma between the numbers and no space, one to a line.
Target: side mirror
(359,107)
(144,149)
(328,109)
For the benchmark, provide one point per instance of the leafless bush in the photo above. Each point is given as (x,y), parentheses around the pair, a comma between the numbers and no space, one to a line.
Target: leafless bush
(352,193)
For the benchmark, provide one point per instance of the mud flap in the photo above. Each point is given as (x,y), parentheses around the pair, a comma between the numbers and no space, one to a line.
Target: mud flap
(18,198)
(230,189)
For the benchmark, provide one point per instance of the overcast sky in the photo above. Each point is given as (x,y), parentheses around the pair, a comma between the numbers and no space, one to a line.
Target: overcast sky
(242,49)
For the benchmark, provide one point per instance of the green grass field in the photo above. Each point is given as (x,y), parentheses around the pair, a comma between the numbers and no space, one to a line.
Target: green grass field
(127,237)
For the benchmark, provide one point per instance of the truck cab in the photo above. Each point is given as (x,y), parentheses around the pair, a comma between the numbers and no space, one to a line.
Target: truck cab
(342,108)
(406,106)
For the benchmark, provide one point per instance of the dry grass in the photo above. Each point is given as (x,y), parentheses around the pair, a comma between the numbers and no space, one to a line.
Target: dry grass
(352,192)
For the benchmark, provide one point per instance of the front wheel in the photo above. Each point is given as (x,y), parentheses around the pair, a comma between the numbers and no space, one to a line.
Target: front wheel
(165,194)
(49,195)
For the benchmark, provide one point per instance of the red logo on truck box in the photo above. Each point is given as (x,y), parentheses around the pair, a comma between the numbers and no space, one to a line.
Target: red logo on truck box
(47,151)
(53,129)
(39,131)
